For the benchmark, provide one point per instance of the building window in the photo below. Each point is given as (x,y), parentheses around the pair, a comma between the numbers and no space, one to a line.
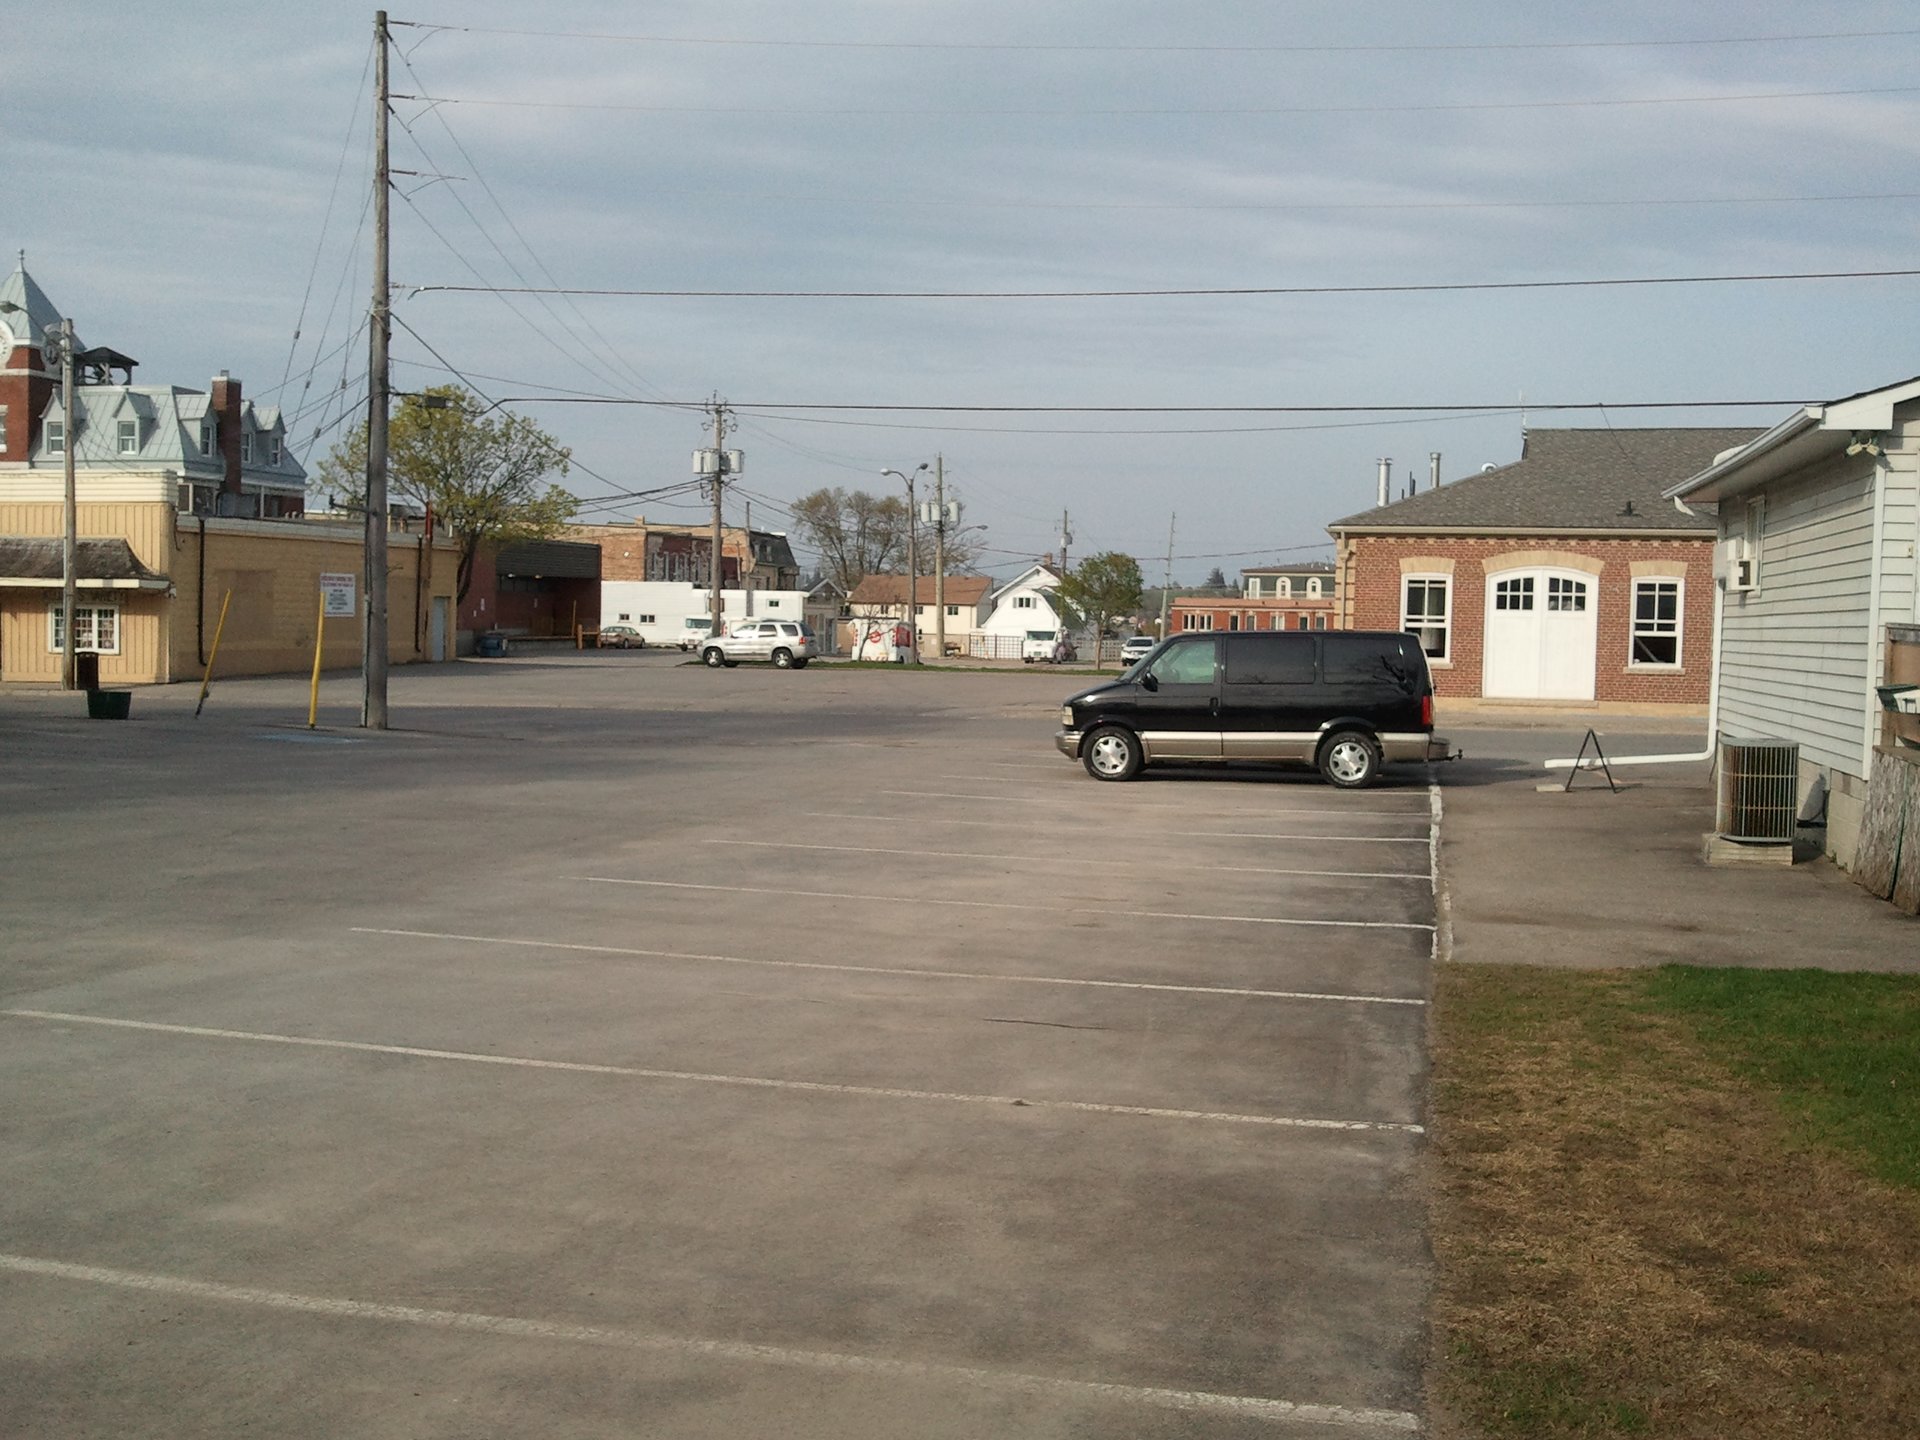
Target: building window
(129,437)
(56,437)
(1514,594)
(1426,610)
(1313,588)
(1197,622)
(1233,621)
(773,604)
(953,612)
(1746,565)
(273,450)
(1283,588)
(246,447)
(1566,594)
(97,628)
(1656,623)
(1320,621)
(206,437)
(1303,620)
(1023,602)
(3,427)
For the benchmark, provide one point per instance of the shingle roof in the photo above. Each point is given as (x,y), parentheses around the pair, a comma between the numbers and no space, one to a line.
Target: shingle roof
(892,590)
(1569,480)
(103,561)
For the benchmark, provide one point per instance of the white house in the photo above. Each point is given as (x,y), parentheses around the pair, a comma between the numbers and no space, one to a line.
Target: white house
(1018,609)
(1818,522)
(880,597)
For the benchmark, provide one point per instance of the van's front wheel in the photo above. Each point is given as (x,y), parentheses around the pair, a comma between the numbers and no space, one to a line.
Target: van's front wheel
(1111,753)
(1350,759)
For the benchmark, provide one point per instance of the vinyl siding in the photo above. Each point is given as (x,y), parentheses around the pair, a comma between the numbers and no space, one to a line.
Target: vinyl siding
(1795,653)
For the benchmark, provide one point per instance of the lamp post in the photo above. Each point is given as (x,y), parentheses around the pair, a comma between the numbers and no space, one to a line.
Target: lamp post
(58,349)
(913,560)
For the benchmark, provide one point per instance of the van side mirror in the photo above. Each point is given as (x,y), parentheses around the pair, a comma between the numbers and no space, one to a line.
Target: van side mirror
(1149,682)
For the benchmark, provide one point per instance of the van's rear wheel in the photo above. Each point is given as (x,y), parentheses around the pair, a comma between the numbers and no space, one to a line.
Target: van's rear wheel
(1111,753)
(1350,759)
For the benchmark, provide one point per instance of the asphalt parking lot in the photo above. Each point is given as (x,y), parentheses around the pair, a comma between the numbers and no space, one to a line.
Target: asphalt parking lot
(624,1049)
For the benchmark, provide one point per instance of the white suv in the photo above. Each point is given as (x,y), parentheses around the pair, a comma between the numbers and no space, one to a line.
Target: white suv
(788,644)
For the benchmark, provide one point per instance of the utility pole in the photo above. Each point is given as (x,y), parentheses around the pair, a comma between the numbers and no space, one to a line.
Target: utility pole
(752,562)
(69,537)
(1166,585)
(373,666)
(913,571)
(1066,539)
(940,557)
(718,603)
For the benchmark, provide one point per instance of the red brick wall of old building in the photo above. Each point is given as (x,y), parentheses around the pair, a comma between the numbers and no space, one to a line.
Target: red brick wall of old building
(1370,574)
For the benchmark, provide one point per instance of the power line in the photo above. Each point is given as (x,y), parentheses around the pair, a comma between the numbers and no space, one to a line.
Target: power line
(1285,49)
(937,112)
(1449,287)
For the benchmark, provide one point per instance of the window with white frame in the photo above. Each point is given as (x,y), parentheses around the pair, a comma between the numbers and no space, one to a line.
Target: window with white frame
(1656,624)
(1197,622)
(1320,621)
(273,450)
(1283,588)
(56,437)
(246,447)
(206,437)
(1426,610)
(3,427)
(96,628)
(1023,602)
(1746,563)
(128,437)
(1313,586)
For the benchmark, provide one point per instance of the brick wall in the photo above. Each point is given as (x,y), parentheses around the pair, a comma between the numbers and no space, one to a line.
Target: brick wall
(1371,569)
(25,390)
(1231,612)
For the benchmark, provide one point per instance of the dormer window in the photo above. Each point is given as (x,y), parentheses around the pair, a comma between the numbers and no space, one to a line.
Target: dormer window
(273,450)
(56,437)
(1313,586)
(1283,588)
(206,437)
(129,437)
(246,447)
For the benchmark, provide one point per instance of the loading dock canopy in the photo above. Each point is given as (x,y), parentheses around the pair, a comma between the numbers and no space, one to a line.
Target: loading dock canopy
(33,563)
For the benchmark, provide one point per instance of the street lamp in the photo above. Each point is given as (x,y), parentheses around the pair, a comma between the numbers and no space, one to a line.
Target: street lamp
(913,559)
(58,349)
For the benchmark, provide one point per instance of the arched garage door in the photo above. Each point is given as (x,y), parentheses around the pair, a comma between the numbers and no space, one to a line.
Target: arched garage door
(1540,635)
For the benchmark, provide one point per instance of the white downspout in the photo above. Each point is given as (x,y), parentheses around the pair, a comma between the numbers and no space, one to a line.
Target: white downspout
(1869,698)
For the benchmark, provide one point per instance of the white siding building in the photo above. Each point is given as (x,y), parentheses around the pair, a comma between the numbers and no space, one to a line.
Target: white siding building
(1021,607)
(1818,523)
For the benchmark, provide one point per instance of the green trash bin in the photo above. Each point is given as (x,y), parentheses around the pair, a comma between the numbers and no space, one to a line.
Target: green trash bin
(109,704)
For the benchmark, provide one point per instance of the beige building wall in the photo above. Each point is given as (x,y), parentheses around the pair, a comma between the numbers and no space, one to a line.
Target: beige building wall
(25,613)
(272,570)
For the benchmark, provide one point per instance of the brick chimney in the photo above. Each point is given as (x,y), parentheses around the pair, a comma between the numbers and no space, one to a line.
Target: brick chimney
(223,403)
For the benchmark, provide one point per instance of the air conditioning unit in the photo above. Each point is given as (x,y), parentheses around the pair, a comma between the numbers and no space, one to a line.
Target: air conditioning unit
(1757,801)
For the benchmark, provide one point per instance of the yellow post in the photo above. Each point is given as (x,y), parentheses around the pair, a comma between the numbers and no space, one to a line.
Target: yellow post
(213,654)
(319,634)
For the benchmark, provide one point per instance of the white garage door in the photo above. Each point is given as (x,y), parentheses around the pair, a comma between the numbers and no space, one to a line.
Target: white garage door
(1540,635)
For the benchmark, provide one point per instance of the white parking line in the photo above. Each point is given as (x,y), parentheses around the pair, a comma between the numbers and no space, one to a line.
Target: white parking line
(757,1082)
(1106,865)
(1251,1407)
(1012,905)
(1107,825)
(907,971)
(951,795)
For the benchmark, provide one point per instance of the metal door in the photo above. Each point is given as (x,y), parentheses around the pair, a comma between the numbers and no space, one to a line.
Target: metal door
(437,629)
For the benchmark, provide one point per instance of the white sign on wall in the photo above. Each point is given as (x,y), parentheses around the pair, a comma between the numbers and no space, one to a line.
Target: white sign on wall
(339,592)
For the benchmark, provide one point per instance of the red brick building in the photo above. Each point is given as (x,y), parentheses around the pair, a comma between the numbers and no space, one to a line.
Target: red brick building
(1564,576)
(1272,597)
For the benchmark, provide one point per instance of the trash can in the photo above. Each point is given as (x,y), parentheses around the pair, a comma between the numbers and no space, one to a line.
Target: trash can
(86,670)
(109,704)
(491,645)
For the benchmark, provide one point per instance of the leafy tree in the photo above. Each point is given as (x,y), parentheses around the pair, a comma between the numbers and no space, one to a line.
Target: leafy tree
(480,474)
(1102,587)
(857,534)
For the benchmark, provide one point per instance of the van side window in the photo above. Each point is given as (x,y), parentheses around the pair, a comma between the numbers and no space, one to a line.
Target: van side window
(1368,660)
(1270,658)
(1186,664)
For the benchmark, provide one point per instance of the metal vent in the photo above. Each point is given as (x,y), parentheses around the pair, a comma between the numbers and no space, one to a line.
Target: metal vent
(1759,783)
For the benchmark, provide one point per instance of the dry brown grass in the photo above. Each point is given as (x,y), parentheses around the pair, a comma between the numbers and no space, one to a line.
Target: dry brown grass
(1631,1242)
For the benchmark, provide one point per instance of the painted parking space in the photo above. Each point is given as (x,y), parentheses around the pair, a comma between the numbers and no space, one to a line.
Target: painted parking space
(1103,1112)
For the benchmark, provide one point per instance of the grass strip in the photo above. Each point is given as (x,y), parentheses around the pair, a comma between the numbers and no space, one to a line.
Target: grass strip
(1669,1203)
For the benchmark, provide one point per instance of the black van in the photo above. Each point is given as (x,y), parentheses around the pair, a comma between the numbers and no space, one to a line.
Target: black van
(1346,701)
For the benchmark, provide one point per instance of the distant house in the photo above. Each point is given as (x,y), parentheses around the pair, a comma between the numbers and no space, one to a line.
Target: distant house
(1019,610)
(1272,597)
(1567,575)
(885,597)
(1818,520)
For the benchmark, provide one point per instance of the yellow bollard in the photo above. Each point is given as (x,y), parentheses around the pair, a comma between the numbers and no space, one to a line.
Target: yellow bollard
(213,654)
(319,634)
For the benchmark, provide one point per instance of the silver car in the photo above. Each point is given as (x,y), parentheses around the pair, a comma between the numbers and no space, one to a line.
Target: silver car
(788,644)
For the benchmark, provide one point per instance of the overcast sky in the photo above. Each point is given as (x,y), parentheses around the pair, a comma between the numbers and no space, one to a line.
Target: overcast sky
(190,184)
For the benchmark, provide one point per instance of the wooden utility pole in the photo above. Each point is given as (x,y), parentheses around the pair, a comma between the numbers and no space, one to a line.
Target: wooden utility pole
(1066,539)
(373,705)
(939,557)
(913,571)
(752,563)
(719,488)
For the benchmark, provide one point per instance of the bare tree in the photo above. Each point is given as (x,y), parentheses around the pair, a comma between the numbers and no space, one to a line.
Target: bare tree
(857,534)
